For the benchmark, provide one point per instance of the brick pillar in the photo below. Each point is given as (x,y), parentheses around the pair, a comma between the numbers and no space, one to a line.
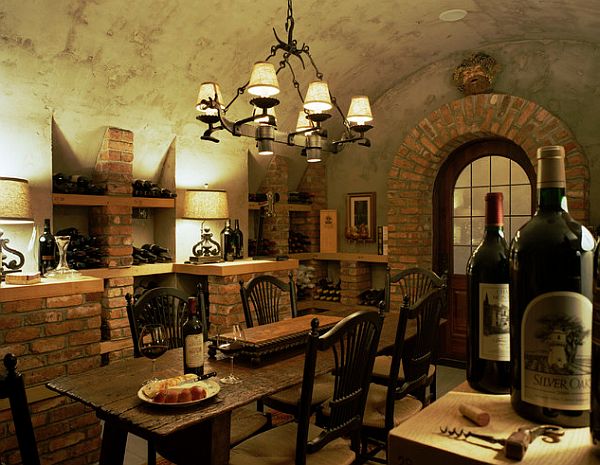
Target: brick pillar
(277,227)
(224,296)
(113,226)
(355,278)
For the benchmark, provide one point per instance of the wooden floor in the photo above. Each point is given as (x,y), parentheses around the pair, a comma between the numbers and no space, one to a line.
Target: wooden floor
(447,379)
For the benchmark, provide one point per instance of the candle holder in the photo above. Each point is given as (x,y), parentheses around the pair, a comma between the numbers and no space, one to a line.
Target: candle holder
(62,270)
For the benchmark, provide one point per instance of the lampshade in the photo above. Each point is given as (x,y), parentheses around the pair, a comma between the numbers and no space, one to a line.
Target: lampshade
(15,201)
(303,122)
(360,110)
(317,97)
(209,90)
(263,80)
(205,204)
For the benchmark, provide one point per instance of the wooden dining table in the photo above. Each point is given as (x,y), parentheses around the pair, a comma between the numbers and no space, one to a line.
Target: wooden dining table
(193,434)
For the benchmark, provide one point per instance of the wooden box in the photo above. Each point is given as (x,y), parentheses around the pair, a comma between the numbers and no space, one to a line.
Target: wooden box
(328,231)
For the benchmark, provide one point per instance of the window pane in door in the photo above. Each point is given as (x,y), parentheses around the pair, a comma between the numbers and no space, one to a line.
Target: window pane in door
(500,171)
(517,174)
(521,200)
(481,172)
(464,178)
(461,257)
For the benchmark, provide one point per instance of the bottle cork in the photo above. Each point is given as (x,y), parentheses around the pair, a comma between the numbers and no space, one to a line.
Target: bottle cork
(475,414)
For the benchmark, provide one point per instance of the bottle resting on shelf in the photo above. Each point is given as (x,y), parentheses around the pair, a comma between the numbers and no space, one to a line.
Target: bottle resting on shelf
(551,266)
(595,394)
(488,335)
(47,250)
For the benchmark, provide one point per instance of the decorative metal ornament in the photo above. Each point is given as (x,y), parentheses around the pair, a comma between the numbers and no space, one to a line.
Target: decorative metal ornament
(476,74)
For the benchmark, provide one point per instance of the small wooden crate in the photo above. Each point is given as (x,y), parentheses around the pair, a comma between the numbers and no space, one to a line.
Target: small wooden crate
(328,231)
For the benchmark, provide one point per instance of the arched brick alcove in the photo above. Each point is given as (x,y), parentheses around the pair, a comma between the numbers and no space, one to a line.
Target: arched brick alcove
(426,147)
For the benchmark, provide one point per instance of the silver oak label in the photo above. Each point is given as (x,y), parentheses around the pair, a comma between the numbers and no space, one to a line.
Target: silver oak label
(556,351)
(494,323)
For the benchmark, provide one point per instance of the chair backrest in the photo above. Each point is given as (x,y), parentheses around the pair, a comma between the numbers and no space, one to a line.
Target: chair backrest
(13,388)
(412,282)
(416,354)
(352,343)
(164,305)
(261,299)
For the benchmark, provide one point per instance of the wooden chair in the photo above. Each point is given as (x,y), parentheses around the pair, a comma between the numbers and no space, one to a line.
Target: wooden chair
(392,398)
(413,283)
(167,305)
(13,388)
(353,342)
(261,299)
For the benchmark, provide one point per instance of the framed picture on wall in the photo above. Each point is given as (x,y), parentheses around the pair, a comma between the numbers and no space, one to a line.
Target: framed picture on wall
(360,217)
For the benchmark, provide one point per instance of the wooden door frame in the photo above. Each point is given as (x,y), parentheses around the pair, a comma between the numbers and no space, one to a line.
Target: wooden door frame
(443,189)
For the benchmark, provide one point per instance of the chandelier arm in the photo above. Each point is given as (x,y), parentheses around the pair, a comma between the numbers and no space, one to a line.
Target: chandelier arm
(239,92)
(306,49)
(294,80)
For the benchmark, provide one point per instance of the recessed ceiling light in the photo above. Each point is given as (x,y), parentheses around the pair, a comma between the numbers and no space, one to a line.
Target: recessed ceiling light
(453,15)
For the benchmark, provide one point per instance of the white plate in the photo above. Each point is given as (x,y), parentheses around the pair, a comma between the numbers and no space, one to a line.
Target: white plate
(211,387)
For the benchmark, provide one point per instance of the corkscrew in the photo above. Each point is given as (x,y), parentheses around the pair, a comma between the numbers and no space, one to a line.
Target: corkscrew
(517,443)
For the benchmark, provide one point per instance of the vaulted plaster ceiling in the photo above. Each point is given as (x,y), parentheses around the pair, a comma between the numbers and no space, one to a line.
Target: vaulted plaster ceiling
(142,60)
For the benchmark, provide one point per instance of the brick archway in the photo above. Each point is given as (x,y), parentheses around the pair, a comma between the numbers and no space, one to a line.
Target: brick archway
(422,152)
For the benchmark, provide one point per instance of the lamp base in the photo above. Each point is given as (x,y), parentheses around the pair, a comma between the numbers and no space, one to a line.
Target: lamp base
(204,260)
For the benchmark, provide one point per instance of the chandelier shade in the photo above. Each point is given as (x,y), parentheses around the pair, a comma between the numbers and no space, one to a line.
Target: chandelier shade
(360,110)
(303,123)
(263,80)
(317,97)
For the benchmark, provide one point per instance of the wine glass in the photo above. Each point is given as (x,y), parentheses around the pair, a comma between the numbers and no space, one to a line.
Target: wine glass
(230,347)
(153,342)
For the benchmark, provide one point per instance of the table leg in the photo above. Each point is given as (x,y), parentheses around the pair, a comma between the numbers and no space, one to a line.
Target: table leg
(206,442)
(114,441)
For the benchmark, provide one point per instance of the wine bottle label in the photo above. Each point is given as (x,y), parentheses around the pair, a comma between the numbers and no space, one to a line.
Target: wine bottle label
(494,322)
(194,350)
(556,351)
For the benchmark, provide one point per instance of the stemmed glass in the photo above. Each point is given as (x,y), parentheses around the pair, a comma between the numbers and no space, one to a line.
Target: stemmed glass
(230,347)
(153,342)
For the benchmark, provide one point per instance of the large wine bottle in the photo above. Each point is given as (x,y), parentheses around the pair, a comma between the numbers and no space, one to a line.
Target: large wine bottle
(595,417)
(488,338)
(47,250)
(551,266)
(193,341)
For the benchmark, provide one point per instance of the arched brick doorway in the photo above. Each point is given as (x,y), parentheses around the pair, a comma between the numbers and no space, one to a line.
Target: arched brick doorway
(426,147)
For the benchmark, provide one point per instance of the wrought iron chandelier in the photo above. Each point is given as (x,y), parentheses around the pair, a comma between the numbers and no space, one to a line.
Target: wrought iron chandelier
(263,86)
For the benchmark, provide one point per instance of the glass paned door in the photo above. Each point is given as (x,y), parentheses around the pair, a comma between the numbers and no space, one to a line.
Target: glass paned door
(487,174)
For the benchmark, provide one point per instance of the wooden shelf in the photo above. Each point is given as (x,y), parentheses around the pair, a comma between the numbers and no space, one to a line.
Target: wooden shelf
(293,207)
(105,200)
(341,256)
(236,267)
(135,270)
(50,288)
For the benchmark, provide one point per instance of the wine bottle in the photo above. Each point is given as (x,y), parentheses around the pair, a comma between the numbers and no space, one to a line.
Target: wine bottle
(488,335)
(47,250)
(227,242)
(595,415)
(551,266)
(238,237)
(193,341)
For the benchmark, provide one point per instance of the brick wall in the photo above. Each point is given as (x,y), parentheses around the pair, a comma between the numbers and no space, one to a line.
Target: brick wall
(426,147)
(52,337)
(355,278)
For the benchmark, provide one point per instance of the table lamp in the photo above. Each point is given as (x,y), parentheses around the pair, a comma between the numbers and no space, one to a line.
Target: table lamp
(206,204)
(15,208)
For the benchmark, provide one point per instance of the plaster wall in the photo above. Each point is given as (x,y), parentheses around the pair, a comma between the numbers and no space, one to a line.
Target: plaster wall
(558,75)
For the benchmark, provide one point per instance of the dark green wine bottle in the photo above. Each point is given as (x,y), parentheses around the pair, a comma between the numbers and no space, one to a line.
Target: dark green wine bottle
(488,337)
(551,267)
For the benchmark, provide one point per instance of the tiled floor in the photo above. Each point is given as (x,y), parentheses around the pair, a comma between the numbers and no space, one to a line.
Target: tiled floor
(447,379)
